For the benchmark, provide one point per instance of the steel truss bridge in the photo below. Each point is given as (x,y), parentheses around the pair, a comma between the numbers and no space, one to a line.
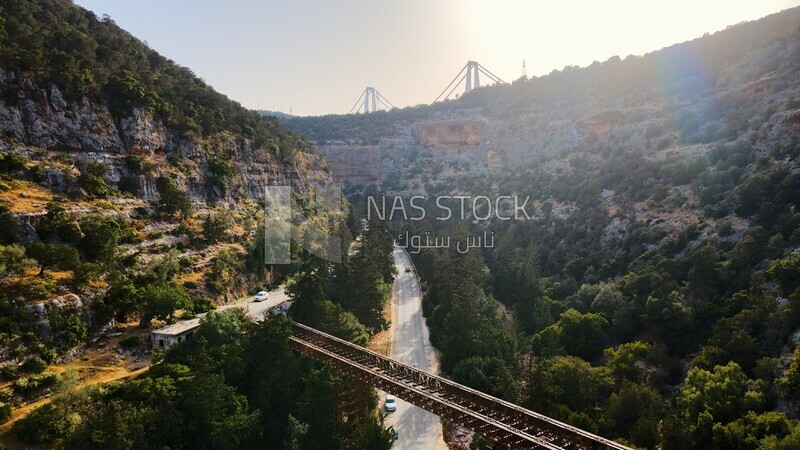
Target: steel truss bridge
(505,425)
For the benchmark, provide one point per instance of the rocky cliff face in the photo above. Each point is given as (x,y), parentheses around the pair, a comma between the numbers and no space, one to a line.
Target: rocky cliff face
(360,164)
(449,134)
(37,122)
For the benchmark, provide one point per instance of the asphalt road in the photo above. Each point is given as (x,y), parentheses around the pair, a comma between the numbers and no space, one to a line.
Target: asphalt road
(417,428)
(256,310)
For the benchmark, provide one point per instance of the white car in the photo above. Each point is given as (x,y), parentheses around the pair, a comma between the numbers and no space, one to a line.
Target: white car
(391,403)
(408,269)
(261,296)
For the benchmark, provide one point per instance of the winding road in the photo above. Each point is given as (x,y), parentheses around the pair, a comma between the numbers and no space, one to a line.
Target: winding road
(417,428)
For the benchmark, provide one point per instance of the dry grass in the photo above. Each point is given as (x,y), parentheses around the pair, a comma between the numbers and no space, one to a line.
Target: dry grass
(99,363)
(380,342)
(236,230)
(25,198)
(194,277)
(60,275)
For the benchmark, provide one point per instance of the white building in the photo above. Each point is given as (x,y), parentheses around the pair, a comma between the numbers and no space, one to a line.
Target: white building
(166,337)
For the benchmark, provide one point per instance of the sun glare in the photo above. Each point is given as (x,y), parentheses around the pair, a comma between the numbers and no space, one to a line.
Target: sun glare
(551,35)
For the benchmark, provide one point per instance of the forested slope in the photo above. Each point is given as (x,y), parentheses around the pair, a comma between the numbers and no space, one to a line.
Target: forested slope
(131,196)
(653,296)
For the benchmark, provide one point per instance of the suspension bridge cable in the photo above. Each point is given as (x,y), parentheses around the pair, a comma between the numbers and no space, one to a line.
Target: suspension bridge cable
(490,74)
(357,101)
(451,83)
(455,87)
(384,101)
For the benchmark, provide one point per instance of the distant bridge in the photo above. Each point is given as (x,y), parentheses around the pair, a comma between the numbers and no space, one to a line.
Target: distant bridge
(506,425)
(371,99)
(470,74)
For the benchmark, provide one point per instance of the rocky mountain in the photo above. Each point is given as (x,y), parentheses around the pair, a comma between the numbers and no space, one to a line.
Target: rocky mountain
(102,95)
(41,124)
(661,256)
(119,170)
(682,99)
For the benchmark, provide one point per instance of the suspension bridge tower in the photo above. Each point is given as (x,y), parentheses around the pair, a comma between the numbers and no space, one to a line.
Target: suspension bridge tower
(470,75)
(370,99)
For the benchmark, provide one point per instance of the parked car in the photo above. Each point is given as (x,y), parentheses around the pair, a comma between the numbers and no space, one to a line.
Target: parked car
(391,403)
(395,436)
(408,269)
(261,296)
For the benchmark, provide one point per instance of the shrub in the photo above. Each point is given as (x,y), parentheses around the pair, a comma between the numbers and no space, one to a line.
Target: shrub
(101,236)
(11,162)
(28,385)
(88,272)
(724,228)
(130,343)
(70,328)
(37,174)
(173,200)
(133,163)
(12,259)
(9,373)
(215,228)
(93,185)
(33,364)
(221,172)
(69,232)
(35,288)
(5,412)
(203,303)
(10,230)
(43,426)
(49,356)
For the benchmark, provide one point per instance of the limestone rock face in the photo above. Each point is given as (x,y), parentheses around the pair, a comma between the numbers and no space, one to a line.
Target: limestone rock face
(141,132)
(39,312)
(40,123)
(449,134)
(355,164)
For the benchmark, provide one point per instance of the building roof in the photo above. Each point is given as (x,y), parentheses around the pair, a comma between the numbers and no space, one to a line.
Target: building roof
(180,327)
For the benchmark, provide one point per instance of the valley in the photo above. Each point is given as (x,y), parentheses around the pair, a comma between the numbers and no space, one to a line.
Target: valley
(648,297)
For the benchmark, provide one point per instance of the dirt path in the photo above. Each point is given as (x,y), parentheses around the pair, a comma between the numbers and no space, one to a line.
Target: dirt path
(99,363)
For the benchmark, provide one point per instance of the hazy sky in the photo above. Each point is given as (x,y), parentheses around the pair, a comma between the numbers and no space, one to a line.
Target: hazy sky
(316,56)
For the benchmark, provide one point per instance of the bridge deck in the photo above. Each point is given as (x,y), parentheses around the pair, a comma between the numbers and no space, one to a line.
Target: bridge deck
(503,423)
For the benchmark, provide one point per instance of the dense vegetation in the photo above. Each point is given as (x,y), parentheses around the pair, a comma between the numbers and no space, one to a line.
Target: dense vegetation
(83,257)
(653,337)
(227,358)
(347,299)
(236,385)
(653,297)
